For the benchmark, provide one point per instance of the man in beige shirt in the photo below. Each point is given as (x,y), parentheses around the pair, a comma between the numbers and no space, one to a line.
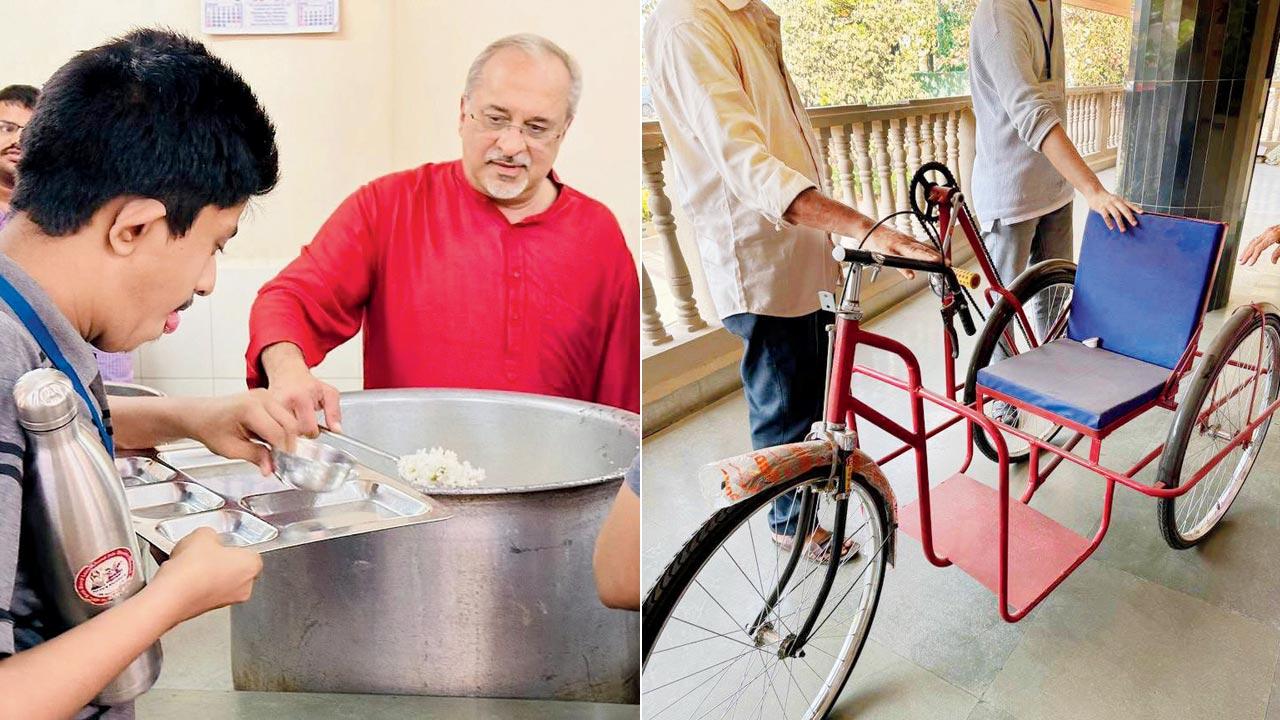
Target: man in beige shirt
(747,171)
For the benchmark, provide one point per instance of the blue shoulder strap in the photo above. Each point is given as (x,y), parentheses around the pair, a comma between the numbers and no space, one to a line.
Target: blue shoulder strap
(27,315)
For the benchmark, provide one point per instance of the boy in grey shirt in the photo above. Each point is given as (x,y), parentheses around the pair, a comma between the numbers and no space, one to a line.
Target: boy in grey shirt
(1026,170)
(137,165)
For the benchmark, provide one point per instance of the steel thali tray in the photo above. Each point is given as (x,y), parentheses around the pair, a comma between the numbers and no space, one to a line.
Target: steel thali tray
(183,488)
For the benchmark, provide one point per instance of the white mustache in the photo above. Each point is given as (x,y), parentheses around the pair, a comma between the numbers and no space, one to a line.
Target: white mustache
(522,159)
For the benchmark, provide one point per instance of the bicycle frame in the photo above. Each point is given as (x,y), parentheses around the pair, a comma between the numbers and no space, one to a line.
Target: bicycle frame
(843,411)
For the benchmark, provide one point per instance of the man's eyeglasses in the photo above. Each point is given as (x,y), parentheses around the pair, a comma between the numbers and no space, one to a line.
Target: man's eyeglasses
(9,128)
(535,132)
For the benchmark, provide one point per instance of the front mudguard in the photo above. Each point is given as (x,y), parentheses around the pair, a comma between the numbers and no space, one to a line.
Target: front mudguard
(742,476)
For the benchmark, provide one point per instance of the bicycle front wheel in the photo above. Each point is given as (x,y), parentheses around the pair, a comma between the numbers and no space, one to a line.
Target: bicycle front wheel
(713,644)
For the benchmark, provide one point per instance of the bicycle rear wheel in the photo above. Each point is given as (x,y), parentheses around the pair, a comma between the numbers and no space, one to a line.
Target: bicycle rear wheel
(1227,386)
(705,654)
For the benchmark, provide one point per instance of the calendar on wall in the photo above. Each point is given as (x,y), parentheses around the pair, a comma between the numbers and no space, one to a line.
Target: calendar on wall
(268,17)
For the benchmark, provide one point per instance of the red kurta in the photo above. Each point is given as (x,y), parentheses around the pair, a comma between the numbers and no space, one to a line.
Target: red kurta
(451,294)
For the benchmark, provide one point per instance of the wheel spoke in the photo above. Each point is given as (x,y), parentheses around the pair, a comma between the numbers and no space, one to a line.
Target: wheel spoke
(695,670)
(1244,383)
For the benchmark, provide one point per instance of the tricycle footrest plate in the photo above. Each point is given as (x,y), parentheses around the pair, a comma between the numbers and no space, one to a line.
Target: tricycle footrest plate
(966,531)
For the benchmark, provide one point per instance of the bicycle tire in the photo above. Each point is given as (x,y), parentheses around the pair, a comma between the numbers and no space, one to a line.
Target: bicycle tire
(1238,328)
(680,572)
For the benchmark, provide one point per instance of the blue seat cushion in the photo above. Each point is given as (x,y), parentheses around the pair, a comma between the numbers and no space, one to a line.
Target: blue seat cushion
(1089,386)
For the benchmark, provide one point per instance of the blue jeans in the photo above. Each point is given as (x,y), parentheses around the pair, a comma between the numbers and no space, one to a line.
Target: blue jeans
(1014,248)
(784,367)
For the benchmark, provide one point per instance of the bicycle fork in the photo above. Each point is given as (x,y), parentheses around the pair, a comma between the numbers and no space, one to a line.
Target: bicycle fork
(761,630)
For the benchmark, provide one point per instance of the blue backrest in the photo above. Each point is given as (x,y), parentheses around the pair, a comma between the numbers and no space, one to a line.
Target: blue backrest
(1142,291)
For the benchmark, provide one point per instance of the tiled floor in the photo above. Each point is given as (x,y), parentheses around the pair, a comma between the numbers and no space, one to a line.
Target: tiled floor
(1139,631)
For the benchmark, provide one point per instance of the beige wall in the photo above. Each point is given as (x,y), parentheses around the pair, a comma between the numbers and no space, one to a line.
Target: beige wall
(378,96)
(599,156)
(381,95)
(307,83)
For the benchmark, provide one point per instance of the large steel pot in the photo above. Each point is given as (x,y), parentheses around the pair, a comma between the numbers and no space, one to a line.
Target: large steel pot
(497,601)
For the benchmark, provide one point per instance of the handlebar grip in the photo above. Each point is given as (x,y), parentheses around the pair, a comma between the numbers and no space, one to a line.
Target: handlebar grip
(967,279)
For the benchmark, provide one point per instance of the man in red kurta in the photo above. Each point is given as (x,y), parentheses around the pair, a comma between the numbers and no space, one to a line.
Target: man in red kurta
(484,273)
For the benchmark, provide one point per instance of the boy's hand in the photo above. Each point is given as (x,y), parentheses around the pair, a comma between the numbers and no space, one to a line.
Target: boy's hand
(1254,250)
(205,575)
(230,425)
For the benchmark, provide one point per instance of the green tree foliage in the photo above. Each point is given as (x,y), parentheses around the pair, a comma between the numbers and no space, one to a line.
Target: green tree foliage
(877,52)
(872,52)
(1097,47)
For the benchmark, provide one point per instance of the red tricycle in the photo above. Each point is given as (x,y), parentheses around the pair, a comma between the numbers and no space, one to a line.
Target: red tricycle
(740,625)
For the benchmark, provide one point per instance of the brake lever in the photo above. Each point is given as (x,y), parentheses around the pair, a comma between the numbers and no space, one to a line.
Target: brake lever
(949,324)
(960,304)
(966,319)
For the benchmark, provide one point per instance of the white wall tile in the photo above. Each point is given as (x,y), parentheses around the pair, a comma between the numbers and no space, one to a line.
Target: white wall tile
(206,354)
(344,361)
(181,387)
(188,352)
(238,286)
(346,384)
(232,299)
(223,386)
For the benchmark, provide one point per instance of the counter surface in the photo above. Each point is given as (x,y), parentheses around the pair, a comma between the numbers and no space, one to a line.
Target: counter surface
(161,704)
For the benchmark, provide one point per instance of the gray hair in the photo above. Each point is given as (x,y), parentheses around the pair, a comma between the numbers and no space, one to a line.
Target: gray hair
(535,46)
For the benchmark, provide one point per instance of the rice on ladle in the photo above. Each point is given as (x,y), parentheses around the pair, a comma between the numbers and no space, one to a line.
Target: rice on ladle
(436,468)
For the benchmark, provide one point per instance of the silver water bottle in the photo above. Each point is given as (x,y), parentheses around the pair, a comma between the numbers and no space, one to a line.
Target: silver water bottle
(78,519)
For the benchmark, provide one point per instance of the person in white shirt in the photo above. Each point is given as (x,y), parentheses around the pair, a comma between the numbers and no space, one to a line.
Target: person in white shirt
(747,172)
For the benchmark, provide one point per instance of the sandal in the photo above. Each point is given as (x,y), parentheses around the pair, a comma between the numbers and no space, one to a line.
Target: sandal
(818,551)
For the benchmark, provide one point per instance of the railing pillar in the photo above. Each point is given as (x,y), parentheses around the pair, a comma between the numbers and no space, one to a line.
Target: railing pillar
(824,162)
(844,164)
(1104,120)
(940,137)
(912,142)
(953,140)
(650,319)
(880,158)
(664,222)
(898,168)
(968,151)
(862,160)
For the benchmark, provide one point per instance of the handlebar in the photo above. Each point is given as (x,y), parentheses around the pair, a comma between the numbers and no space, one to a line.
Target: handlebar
(863,257)
(955,278)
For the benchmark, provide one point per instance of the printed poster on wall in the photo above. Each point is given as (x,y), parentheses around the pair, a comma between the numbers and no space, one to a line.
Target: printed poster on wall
(268,17)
